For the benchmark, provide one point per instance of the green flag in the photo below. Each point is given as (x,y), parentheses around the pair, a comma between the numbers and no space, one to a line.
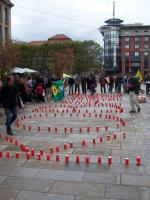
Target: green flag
(57,90)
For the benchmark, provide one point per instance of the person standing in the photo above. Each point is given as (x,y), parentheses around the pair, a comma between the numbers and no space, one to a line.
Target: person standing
(103,83)
(8,97)
(133,90)
(83,84)
(71,84)
(111,84)
(77,84)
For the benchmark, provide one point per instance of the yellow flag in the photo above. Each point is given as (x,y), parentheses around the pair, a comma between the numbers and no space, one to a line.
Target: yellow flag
(139,75)
(66,75)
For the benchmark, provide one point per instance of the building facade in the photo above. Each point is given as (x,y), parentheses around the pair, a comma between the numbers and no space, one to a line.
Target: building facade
(5,20)
(126,47)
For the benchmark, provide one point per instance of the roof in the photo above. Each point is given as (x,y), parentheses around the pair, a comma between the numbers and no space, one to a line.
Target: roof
(59,37)
(8,2)
(37,42)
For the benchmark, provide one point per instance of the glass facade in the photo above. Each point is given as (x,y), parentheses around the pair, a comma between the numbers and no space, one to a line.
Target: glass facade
(111,33)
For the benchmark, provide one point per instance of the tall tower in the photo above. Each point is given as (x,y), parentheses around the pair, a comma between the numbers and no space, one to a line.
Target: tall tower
(110,32)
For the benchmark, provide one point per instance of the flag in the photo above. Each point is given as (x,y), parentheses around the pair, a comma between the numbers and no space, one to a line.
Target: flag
(57,90)
(139,75)
(66,75)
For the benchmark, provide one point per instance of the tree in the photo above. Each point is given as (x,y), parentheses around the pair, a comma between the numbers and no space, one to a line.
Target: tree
(7,57)
(88,55)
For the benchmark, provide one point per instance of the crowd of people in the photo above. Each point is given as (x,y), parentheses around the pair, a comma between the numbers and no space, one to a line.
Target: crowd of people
(17,91)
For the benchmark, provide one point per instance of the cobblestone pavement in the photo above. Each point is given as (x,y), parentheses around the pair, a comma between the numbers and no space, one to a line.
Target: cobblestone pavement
(33,179)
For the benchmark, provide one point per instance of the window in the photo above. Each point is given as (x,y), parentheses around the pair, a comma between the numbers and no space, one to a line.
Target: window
(126,54)
(127,39)
(0,13)
(136,46)
(127,33)
(146,39)
(127,46)
(145,32)
(146,46)
(136,39)
(136,53)
(145,53)
(6,16)
(136,32)
(6,34)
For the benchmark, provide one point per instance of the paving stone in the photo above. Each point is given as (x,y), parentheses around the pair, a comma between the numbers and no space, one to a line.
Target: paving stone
(135,180)
(60,175)
(102,178)
(17,171)
(91,198)
(8,194)
(30,184)
(42,196)
(2,179)
(78,188)
(126,192)
(12,162)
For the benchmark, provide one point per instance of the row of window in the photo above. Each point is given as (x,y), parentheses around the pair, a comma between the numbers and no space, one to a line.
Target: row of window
(6,14)
(136,54)
(137,33)
(127,39)
(136,46)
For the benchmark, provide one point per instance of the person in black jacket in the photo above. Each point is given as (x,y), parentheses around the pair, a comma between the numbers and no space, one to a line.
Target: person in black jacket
(71,84)
(8,98)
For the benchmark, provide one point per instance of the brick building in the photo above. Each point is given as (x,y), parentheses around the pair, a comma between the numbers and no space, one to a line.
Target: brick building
(5,20)
(51,40)
(126,47)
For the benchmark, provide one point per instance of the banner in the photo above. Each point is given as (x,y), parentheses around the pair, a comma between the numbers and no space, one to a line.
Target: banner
(57,90)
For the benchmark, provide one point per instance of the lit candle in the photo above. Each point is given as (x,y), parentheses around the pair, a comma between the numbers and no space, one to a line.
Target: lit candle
(138,161)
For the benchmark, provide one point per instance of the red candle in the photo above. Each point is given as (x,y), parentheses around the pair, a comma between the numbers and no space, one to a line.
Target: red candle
(87,159)
(127,161)
(115,136)
(39,128)
(51,150)
(71,130)
(83,142)
(124,135)
(32,152)
(30,128)
(97,129)
(101,140)
(65,130)
(80,130)
(38,156)
(94,140)
(7,155)
(17,155)
(99,160)
(65,146)
(138,161)
(48,157)
(109,160)
(67,158)
(57,149)
(57,158)
(71,144)
(28,156)
(49,129)
(56,130)
(11,140)
(108,138)
(16,142)
(106,128)
(1,154)
(88,129)
(41,152)
(77,159)
(26,150)
(6,139)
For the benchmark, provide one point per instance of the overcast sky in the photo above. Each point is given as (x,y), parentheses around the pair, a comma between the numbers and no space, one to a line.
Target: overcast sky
(78,19)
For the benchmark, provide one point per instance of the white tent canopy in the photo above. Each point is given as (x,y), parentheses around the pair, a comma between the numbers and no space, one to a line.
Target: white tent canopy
(18,70)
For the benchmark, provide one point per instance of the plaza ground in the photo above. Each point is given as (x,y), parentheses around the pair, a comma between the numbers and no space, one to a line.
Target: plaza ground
(34,179)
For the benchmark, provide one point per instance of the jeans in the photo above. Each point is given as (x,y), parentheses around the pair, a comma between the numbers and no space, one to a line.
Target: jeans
(71,89)
(77,88)
(133,101)
(11,116)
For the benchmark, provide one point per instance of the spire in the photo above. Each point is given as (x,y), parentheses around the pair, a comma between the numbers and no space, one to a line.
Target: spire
(114,9)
